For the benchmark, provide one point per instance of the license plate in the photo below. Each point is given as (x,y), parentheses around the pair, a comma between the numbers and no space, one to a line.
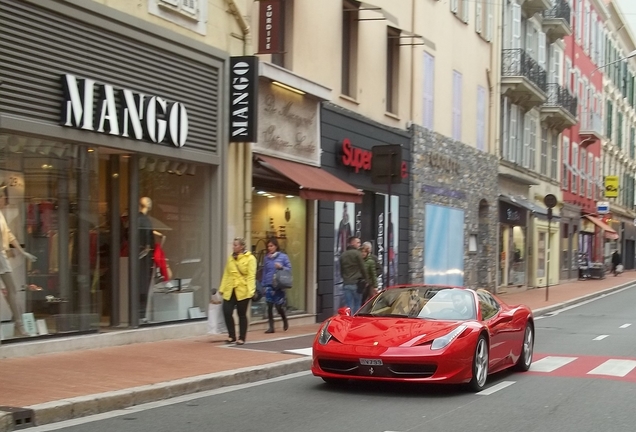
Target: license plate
(371,362)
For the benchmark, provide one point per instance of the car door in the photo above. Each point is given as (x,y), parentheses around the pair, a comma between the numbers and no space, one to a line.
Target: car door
(497,323)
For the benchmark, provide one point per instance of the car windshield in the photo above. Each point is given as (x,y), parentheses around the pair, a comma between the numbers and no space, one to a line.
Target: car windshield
(425,302)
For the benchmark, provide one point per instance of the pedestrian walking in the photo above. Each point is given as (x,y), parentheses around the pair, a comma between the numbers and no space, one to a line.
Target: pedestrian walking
(274,296)
(353,274)
(370,267)
(616,262)
(237,288)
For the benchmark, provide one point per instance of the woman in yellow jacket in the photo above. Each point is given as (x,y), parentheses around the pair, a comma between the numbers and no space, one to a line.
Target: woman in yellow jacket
(237,288)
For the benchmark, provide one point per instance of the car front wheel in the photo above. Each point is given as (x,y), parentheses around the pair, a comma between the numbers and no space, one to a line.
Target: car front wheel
(480,365)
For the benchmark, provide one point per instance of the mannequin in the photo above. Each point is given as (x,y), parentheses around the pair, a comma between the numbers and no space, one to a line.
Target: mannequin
(146,247)
(7,238)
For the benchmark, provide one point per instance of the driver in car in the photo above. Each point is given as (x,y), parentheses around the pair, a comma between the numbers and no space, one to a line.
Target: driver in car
(461,305)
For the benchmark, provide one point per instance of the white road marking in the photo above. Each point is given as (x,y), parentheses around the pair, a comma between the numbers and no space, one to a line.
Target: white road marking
(614,368)
(301,351)
(601,337)
(625,326)
(550,363)
(490,390)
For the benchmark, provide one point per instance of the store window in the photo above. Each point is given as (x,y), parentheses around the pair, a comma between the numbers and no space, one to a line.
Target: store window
(517,264)
(49,210)
(541,255)
(283,217)
(173,236)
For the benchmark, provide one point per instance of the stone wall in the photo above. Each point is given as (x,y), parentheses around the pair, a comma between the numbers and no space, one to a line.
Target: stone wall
(449,173)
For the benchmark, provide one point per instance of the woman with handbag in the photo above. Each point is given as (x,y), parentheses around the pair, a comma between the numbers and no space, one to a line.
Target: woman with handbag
(274,295)
(237,288)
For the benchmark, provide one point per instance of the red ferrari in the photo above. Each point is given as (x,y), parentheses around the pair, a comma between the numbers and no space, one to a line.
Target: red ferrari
(425,333)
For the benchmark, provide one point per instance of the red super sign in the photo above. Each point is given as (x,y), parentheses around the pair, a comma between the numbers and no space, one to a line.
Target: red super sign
(360,159)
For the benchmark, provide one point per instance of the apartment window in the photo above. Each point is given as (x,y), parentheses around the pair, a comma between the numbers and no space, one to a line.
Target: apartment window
(392,69)
(590,175)
(505,128)
(579,20)
(555,156)
(429,90)
(529,141)
(565,170)
(283,58)
(555,65)
(608,120)
(586,27)
(575,169)
(457,106)
(619,130)
(190,14)
(481,118)
(632,150)
(532,150)
(568,74)
(460,9)
(582,172)
(349,49)
(543,165)
(484,18)
(599,178)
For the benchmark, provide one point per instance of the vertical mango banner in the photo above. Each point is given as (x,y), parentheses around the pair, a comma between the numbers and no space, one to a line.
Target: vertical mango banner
(611,186)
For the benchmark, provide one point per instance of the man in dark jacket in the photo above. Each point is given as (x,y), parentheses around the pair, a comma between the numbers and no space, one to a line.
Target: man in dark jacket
(352,270)
(616,260)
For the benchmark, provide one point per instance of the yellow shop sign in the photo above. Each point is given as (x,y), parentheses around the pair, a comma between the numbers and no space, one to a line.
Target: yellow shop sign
(611,186)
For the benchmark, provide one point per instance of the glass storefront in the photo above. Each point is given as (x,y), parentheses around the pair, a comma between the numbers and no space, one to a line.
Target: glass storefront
(284,217)
(512,249)
(62,202)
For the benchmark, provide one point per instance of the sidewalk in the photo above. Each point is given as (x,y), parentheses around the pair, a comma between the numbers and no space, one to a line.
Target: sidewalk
(79,383)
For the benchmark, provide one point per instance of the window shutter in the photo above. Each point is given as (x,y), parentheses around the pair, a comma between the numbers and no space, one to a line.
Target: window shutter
(505,135)
(516,26)
(478,17)
(489,19)
(465,11)
(170,2)
(541,50)
(514,132)
(453,6)
(481,118)
(526,141)
(565,174)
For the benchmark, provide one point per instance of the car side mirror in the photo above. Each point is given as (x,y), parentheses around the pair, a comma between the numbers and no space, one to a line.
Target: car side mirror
(344,311)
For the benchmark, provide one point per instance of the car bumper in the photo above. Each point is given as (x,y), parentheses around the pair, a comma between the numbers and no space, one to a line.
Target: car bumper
(452,365)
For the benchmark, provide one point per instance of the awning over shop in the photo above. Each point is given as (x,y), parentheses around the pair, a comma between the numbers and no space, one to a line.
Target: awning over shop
(535,209)
(610,233)
(313,183)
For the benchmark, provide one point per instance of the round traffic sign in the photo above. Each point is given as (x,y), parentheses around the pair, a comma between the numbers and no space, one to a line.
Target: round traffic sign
(550,201)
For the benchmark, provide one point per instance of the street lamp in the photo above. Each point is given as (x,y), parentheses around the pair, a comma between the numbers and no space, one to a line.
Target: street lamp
(628,56)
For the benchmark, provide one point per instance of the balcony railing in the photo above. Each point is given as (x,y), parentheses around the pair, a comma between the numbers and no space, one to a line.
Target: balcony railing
(559,96)
(517,62)
(591,122)
(561,9)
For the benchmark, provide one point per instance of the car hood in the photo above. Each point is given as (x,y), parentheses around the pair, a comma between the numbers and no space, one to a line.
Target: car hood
(388,332)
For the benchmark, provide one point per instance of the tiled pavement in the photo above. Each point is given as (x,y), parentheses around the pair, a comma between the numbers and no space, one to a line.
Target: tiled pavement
(73,384)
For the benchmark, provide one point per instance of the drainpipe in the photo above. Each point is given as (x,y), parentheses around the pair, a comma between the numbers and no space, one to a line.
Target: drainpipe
(244,152)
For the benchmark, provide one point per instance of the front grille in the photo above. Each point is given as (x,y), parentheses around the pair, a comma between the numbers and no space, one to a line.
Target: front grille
(412,370)
(387,370)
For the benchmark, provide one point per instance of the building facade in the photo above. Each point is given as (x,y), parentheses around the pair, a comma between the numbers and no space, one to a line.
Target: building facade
(582,230)
(535,109)
(112,169)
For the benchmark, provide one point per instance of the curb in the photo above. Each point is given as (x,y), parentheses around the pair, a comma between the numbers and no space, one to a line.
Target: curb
(82,406)
(548,309)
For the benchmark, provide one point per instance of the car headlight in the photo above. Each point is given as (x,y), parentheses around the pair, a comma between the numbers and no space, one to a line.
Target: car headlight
(443,341)
(324,336)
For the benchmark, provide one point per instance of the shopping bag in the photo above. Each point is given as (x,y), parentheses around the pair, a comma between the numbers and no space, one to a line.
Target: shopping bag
(619,268)
(216,323)
(282,279)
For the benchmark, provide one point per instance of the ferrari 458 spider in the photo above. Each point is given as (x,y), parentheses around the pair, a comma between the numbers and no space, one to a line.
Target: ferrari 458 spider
(425,333)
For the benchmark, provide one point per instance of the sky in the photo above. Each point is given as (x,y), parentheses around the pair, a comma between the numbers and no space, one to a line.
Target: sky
(628,7)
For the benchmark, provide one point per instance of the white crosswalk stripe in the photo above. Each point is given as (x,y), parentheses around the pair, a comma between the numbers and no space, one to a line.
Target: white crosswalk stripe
(301,351)
(550,363)
(614,367)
